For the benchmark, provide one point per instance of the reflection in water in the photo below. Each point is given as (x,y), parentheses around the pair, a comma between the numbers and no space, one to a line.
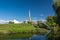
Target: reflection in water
(38,37)
(22,37)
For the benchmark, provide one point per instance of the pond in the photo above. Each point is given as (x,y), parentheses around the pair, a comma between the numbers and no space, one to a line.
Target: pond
(23,37)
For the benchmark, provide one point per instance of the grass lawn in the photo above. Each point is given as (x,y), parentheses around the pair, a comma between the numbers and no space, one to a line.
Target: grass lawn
(14,28)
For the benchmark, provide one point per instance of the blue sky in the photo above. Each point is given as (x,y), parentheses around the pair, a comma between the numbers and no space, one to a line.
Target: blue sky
(18,9)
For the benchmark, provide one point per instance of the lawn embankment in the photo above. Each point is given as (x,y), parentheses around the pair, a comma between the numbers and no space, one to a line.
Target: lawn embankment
(16,28)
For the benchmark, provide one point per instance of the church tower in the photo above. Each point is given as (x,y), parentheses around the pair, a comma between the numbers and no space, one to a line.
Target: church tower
(29,18)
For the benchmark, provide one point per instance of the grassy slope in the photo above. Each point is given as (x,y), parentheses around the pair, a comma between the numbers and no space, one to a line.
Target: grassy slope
(17,27)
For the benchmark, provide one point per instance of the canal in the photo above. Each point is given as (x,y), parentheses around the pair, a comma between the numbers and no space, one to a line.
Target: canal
(23,37)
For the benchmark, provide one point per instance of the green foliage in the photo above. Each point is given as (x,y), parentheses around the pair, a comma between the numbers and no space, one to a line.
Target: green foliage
(41,25)
(24,22)
(29,22)
(54,33)
(54,21)
(11,22)
(56,6)
(51,21)
(41,31)
(17,28)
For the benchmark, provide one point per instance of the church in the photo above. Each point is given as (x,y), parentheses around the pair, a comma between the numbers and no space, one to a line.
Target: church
(26,21)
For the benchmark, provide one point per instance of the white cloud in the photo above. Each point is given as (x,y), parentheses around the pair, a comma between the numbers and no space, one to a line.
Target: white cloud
(43,20)
(15,21)
(4,21)
(7,21)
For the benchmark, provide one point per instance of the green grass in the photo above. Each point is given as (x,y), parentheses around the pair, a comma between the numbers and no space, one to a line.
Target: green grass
(17,27)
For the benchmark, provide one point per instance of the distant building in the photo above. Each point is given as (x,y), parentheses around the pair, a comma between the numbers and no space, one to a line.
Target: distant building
(29,18)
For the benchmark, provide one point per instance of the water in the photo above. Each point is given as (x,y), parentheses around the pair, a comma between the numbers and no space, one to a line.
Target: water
(23,37)
(38,37)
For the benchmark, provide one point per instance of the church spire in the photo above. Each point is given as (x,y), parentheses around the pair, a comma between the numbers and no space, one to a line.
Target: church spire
(29,18)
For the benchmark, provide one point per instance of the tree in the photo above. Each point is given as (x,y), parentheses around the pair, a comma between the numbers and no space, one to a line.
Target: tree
(29,22)
(51,21)
(10,22)
(24,22)
(54,21)
(56,7)
(40,24)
